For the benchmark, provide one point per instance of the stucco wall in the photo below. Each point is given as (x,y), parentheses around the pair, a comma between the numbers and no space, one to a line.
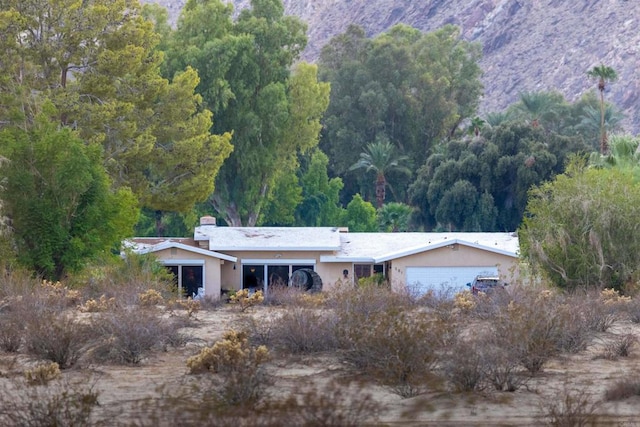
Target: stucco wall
(454,256)
(211,273)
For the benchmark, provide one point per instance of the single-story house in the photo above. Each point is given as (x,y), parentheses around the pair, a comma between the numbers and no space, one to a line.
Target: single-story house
(219,259)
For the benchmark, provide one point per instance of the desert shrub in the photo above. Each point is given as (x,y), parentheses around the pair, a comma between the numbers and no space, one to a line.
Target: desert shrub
(502,369)
(539,324)
(399,348)
(150,298)
(619,346)
(16,282)
(464,365)
(56,404)
(600,309)
(302,330)
(283,295)
(194,404)
(331,405)
(244,299)
(42,374)
(11,328)
(129,335)
(189,305)
(56,336)
(623,389)
(124,278)
(98,305)
(240,374)
(569,407)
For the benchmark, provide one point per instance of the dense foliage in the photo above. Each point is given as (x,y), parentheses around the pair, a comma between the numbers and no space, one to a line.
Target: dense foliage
(62,209)
(581,229)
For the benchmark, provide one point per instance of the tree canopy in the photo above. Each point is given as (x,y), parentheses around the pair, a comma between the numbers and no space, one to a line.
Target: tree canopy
(403,86)
(248,79)
(59,199)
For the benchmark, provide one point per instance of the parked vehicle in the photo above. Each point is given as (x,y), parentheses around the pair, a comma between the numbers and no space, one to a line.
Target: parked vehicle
(486,284)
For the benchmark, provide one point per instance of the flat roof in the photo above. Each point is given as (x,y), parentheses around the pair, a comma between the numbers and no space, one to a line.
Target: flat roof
(270,238)
(150,245)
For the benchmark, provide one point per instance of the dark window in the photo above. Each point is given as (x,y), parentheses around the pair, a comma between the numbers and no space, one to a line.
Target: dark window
(253,277)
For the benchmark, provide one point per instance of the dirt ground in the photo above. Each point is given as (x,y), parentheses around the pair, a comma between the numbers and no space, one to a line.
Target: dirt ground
(583,373)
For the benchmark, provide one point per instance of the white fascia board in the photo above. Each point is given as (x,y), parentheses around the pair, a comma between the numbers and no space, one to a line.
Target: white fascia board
(444,243)
(278,261)
(170,262)
(169,245)
(332,258)
(274,249)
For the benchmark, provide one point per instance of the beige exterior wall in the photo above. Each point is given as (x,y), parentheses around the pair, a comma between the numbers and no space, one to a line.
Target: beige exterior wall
(329,272)
(220,274)
(455,256)
(211,271)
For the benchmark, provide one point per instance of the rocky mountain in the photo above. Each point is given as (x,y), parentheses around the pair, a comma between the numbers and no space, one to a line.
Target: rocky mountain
(528,45)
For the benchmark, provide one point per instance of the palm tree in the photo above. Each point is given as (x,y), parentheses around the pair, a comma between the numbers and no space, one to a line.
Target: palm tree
(603,74)
(592,125)
(380,157)
(539,106)
(623,154)
(394,217)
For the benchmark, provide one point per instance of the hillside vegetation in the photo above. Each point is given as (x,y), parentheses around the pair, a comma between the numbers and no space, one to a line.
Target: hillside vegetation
(527,45)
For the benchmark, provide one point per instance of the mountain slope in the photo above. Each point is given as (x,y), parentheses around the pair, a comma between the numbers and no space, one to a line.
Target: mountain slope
(529,45)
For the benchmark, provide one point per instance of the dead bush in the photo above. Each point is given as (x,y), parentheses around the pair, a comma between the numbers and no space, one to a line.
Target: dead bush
(397,347)
(11,329)
(623,389)
(464,365)
(61,403)
(283,295)
(129,335)
(502,369)
(125,278)
(56,336)
(303,331)
(239,375)
(570,408)
(194,404)
(619,346)
(600,309)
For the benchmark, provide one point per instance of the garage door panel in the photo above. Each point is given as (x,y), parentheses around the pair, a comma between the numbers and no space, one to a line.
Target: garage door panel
(421,280)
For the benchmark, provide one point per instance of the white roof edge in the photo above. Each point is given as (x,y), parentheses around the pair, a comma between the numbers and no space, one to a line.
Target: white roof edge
(332,258)
(170,244)
(276,249)
(424,248)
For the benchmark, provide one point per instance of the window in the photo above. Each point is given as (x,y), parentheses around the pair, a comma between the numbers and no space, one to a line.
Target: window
(274,272)
(367,270)
(188,278)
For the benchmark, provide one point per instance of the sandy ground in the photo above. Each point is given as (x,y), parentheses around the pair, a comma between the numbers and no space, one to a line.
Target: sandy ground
(121,386)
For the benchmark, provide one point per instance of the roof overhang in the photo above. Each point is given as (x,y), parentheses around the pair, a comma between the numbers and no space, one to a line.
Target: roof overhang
(169,244)
(442,244)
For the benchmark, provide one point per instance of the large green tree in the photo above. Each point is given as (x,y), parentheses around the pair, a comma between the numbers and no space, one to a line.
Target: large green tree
(581,229)
(482,185)
(248,79)
(59,200)
(97,62)
(403,86)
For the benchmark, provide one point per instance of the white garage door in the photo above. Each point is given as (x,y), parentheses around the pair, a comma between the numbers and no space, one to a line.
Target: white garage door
(420,280)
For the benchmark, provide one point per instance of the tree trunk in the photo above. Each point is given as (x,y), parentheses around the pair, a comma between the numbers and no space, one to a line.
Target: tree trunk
(604,146)
(381,183)
(159,224)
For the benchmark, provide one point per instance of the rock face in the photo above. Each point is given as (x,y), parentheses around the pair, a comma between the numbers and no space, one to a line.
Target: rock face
(528,45)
